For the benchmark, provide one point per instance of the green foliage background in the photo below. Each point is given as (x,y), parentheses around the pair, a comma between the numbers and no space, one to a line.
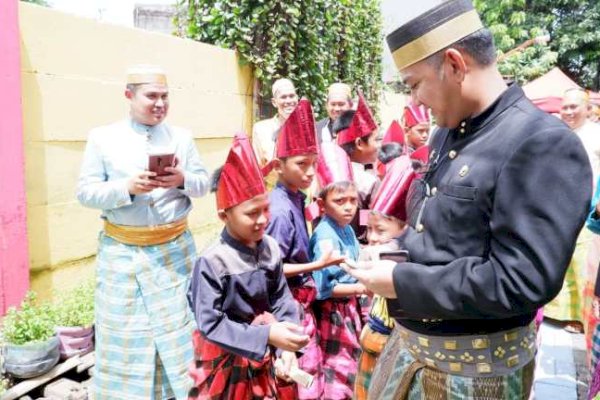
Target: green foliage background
(312,42)
(571,24)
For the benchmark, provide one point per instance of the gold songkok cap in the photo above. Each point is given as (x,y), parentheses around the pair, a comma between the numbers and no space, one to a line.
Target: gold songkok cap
(339,89)
(434,29)
(139,74)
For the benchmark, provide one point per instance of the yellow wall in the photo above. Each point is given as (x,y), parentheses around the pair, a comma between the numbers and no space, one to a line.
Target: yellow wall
(73,73)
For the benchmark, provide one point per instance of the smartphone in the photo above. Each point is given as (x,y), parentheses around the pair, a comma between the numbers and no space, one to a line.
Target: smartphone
(158,162)
(394,255)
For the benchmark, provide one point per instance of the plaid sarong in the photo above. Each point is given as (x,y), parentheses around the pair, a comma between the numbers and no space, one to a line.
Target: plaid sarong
(340,326)
(221,375)
(312,356)
(143,322)
(398,376)
(372,343)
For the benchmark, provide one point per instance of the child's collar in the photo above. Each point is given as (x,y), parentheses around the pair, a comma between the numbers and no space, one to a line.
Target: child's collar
(236,244)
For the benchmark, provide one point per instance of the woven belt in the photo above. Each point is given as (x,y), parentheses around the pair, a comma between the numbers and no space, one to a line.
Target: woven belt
(495,354)
(145,235)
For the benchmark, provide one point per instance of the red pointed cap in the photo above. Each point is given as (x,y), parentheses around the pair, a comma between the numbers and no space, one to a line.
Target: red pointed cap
(333,165)
(362,123)
(298,134)
(415,115)
(394,134)
(241,178)
(390,199)
(421,154)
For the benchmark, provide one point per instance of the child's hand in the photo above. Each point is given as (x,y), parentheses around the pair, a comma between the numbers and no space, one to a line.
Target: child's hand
(284,364)
(331,257)
(287,336)
(596,307)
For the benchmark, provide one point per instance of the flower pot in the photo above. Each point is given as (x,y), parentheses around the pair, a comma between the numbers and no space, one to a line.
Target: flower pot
(75,340)
(31,359)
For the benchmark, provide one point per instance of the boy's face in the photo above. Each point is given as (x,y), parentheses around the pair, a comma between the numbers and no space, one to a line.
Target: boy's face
(381,229)
(417,135)
(366,150)
(341,205)
(297,172)
(247,221)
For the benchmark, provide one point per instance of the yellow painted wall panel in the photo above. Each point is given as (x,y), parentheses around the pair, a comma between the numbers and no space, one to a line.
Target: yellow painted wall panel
(73,72)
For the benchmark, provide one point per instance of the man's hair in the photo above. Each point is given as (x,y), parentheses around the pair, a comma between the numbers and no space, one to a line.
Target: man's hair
(389,151)
(215,178)
(478,45)
(335,187)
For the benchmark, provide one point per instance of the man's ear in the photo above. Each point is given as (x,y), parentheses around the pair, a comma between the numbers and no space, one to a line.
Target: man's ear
(273,102)
(129,94)
(358,144)
(222,215)
(455,65)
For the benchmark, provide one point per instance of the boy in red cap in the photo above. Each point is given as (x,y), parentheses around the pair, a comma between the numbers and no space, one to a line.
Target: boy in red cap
(337,292)
(417,124)
(356,132)
(386,222)
(242,304)
(295,159)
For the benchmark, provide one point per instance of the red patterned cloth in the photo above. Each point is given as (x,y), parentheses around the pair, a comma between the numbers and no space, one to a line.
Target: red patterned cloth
(220,375)
(312,357)
(340,326)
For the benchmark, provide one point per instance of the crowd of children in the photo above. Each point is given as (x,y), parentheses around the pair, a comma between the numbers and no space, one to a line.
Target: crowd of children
(268,291)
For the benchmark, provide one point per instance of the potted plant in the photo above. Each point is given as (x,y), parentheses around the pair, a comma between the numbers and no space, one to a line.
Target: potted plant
(31,345)
(75,320)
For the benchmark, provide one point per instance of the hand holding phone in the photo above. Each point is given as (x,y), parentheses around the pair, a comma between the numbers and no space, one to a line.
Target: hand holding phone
(397,256)
(159,161)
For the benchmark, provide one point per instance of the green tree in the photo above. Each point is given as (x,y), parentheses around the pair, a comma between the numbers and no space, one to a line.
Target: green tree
(312,42)
(40,2)
(571,24)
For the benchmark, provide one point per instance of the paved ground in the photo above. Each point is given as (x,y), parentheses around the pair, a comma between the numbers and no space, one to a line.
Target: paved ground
(561,371)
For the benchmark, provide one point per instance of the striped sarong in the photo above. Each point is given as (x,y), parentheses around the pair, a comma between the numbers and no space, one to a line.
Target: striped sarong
(143,322)
(398,376)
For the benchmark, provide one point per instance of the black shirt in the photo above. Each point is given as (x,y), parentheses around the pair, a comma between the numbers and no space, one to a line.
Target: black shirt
(494,221)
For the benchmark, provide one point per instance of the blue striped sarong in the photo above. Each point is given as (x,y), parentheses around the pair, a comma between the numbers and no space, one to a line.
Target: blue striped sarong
(143,321)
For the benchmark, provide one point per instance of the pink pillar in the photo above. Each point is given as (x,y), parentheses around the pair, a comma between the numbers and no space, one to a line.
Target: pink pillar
(14,255)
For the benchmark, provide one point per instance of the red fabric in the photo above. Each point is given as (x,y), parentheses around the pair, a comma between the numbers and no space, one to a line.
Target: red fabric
(390,198)
(333,165)
(220,375)
(340,328)
(421,154)
(394,134)
(362,123)
(241,178)
(415,115)
(298,134)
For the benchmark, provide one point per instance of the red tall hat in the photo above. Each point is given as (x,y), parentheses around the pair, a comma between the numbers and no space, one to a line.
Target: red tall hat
(362,123)
(390,198)
(333,165)
(421,154)
(415,115)
(241,178)
(298,134)
(394,134)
